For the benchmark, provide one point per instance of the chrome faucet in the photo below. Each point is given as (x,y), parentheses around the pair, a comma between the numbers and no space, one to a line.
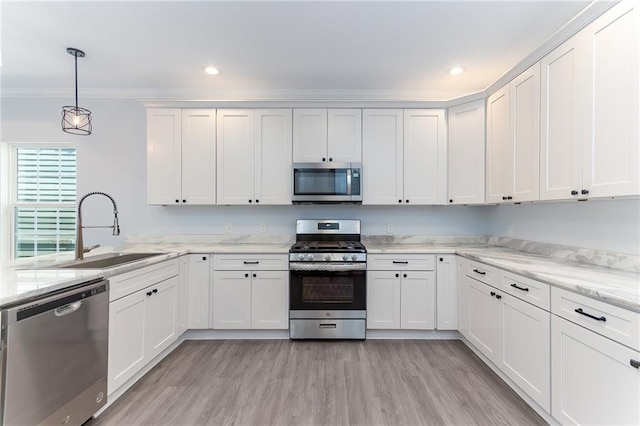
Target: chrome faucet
(116,227)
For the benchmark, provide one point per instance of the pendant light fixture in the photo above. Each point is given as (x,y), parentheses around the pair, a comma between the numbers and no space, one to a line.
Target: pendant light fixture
(76,120)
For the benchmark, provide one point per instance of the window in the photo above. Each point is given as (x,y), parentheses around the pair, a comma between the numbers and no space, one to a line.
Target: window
(43,200)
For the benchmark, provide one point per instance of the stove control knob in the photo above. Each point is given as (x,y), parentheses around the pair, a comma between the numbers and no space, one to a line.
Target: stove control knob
(310,256)
(354,257)
(345,257)
(301,256)
(327,257)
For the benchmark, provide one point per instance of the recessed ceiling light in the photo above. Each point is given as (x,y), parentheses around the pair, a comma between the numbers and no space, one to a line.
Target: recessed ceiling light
(456,71)
(211,70)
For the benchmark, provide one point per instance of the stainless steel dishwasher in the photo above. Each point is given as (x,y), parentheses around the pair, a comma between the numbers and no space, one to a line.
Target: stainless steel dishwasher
(54,357)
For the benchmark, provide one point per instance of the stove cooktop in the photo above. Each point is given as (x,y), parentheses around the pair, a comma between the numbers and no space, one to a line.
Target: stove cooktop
(328,246)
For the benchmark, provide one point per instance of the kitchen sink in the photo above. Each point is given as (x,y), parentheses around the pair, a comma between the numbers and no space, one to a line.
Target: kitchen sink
(106,260)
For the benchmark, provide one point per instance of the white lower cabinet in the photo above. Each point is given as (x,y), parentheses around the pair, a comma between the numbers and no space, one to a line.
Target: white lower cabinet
(463,296)
(446,292)
(401,298)
(198,291)
(141,326)
(512,333)
(593,378)
(249,299)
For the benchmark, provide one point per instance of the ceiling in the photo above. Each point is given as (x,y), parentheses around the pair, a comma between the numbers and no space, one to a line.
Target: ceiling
(161,48)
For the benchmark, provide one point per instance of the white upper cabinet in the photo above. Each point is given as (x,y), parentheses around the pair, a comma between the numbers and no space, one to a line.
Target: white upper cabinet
(404,156)
(235,156)
(382,156)
(181,156)
(466,153)
(513,140)
(273,156)
(425,156)
(254,156)
(611,116)
(321,135)
(198,156)
(590,112)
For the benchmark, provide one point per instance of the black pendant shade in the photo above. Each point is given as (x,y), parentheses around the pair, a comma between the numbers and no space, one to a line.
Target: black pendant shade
(76,120)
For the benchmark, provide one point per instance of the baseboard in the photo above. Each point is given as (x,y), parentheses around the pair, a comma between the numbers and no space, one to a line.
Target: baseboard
(414,334)
(235,334)
(541,411)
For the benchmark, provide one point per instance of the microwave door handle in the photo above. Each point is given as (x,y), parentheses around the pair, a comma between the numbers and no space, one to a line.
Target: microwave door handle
(349,182)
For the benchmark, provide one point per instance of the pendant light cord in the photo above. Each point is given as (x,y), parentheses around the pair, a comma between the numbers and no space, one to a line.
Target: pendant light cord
(76,56)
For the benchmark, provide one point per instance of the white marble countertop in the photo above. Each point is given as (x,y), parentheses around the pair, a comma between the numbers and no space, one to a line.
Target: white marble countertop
(29,278)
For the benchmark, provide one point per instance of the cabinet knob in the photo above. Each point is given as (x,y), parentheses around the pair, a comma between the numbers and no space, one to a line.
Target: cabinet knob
(441,259)
(204,258)
(184,201)
(574,192)
(400,201)
(451,201)
(155,290)
(330,159)
(634,363)
(404,275)
(584,191)
(149,293)
(509,197)
(498,297)
(504,197)
(254,275)
(250,201)
(493,293)
(324,159)
(257,201)
(406,201)
(246,275)
(177,201)
(397,275)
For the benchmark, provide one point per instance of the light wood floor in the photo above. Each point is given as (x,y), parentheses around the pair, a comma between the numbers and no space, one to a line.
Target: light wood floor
(282,382)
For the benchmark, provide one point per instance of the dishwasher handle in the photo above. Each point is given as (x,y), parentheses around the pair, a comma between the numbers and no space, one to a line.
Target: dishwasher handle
(68,309)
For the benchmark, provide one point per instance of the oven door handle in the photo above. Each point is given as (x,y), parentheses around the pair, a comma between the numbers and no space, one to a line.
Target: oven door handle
(333,267)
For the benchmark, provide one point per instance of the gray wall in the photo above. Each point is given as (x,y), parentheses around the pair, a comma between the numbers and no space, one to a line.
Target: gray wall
(113,159)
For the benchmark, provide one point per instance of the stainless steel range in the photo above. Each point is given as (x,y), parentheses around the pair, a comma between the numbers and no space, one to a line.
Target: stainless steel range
(327,281)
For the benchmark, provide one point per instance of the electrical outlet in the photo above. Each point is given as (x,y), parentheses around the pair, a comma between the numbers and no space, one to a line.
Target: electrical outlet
(389,228)
(263,227)
(228,227)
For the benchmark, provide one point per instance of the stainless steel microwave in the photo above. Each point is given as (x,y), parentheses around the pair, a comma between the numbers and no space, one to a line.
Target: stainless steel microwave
(327,183)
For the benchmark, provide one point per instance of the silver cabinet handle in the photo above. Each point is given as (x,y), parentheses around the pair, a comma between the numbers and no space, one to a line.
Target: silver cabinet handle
(67,309)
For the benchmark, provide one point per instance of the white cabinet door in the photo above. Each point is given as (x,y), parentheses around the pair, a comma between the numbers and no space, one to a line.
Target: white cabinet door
(498,145)
(235,156)
(526,348)
(231,300)
(593,381)
(425,156)
(418,300)
(126,339)
(463,297)
(344,138)
(446,293)
(466,153)
(164,156)
(198,156)
(273,156)
(611,137)
(198,288)
(383,300)
(382,156)
(161,317)
(270,300)
(562,77)
(523,176)
(309,135)
(484,320)
(183,295)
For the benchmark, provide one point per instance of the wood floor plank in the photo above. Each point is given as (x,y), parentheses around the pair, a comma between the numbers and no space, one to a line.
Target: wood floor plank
(282,382)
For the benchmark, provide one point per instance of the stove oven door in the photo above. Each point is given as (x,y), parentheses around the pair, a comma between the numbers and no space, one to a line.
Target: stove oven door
(328,291)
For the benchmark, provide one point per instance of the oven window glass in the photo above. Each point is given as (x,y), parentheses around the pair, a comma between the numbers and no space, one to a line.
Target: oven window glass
(320,182)
(327,290)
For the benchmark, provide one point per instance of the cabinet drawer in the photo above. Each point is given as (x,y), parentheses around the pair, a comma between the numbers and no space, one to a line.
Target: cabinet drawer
(524,288)
(403,262)
(249,262)
(481,272)
(619,324)
(125,284)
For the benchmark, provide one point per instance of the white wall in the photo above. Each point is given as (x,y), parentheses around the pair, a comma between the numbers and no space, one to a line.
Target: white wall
(112,159)
(612,225)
